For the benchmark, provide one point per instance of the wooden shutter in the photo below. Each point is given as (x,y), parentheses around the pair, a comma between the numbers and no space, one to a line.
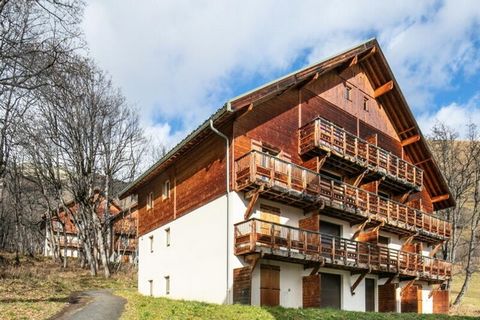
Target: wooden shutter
(311,291)
(368,236)
(387,301)
(369,295)
(242,285)
(441,301)
(269,285)
(311,223)
(412,299)
(330,290)
(270,214)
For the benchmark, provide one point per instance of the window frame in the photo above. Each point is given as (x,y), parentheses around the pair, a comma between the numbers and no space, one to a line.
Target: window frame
(166,189)
(167,285)
(151,243)
(167,237)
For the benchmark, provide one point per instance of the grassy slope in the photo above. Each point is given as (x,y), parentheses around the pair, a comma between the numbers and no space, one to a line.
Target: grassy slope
(471,301)
(38,288)
(142,308)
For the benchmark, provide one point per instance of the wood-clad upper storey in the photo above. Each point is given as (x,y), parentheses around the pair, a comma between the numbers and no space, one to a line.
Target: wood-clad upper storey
(356,93)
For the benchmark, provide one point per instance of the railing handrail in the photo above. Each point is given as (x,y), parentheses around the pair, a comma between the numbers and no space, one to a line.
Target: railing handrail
(336,180)
(323,235)
(318,118)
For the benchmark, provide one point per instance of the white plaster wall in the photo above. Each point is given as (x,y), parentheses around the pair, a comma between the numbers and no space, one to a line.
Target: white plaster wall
(195,261)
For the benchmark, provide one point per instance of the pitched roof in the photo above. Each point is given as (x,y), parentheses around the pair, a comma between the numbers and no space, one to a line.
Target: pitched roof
(369,55)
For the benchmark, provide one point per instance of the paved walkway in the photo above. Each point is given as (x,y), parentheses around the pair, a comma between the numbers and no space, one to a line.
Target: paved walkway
(93,305)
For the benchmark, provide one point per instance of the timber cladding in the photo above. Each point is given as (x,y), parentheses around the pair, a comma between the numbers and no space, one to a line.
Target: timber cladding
(242,285)
(195,179)
(441,301)
(387,301)
(311,291)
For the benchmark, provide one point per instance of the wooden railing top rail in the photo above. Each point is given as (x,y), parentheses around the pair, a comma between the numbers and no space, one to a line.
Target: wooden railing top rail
(326,243)
(350,145)
(251,154)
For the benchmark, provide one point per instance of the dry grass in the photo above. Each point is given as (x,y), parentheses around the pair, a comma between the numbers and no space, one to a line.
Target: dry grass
(38,288)
(471,301)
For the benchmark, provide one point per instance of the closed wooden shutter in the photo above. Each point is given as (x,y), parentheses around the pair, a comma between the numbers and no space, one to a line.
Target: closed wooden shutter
(270,214)
(387,301)
(242,285)
(330,291)
(369,295)
(311,223)
(269,285)
(311,291)
(412,299)
(441,301)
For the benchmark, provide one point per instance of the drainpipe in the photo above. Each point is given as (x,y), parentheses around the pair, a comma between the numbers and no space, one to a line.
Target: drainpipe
(227,153)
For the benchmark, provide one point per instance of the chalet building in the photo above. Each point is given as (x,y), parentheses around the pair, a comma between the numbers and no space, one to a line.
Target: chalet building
(122,242)
(315,190)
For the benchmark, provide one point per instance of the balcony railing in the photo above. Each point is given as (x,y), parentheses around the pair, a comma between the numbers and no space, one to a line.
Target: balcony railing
(325,135)
(290,243)
(290,180)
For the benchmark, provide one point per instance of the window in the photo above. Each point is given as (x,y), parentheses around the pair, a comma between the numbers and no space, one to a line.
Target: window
(150,201)
(150,283)
(365,104)
(331,289)
(167,284)
(167,237)
(348,93)
(166,190)
(151,243)
(124,240)
(383,240)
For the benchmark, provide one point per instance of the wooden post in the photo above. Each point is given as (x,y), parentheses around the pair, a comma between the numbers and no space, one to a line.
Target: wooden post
(253,235)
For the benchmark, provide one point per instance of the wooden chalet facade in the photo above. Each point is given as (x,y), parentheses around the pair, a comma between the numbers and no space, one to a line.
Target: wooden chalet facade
(332,201)
(122,232)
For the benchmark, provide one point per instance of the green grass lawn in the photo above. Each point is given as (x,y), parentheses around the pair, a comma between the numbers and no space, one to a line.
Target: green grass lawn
(471,301)
(142,308)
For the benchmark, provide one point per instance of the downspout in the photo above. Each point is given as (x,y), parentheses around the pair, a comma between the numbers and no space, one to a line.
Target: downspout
(227,152)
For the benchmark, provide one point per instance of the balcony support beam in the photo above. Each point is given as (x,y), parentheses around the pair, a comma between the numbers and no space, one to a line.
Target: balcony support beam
(251,203)
(403,198)
(361,228)
(436,248)
(355,181)
(391,278)
(252,260)
(410,239)
(440,198)
(360,279)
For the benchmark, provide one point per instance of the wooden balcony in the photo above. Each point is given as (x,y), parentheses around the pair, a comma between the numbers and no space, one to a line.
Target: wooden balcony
(286,243)
(353,155)
(288,183)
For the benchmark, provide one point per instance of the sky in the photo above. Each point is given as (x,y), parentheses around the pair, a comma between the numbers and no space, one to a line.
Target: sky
(178,61)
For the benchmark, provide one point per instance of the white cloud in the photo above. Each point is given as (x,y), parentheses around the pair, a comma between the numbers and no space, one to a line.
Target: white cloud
(177,58)
(456,116)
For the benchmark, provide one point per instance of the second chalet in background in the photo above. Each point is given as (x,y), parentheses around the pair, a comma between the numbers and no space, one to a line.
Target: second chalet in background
(325,197)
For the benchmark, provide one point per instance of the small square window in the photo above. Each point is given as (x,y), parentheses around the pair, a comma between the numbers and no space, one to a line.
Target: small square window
(348,93)
(167,284)
(166,190)
(150,201)
(151,243)
(167,237)
(365,104)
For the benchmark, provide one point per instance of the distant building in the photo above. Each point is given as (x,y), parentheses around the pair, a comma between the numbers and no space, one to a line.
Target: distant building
(122,231)
(333,193)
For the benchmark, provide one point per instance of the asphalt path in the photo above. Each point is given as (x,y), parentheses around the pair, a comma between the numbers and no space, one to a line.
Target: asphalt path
(92,305)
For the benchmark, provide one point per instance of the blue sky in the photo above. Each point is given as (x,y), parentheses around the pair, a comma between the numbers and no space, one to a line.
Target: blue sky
(178,61)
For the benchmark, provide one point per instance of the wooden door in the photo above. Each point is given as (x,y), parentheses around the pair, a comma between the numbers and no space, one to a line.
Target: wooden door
(330,290)
(242,285)
(269,285)
(412,299)
(387,301)
(369,295)
(441,301)
(270,214)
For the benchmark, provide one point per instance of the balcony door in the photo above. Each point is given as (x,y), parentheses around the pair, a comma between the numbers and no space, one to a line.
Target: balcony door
(269,285)
(369,295)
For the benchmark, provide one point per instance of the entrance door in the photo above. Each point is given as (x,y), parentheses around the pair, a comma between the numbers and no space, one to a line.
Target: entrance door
(412,299)
(330,290)
(269,285)
(369,295)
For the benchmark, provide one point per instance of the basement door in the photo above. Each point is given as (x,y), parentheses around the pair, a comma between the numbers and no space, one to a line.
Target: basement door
(269,285)
(369,295)
(330,291)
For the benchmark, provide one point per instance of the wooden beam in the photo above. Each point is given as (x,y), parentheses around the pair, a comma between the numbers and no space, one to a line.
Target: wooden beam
(410,239)
(315,77)
(368,55)
(440,198)
(355,285)
(390,279)
(409,284)
(406,130)
(410,140)
(360,228)
(387,87)
(253,199)
(355,181)
(436,248)
(404,197)
(252,260)
(423,161)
